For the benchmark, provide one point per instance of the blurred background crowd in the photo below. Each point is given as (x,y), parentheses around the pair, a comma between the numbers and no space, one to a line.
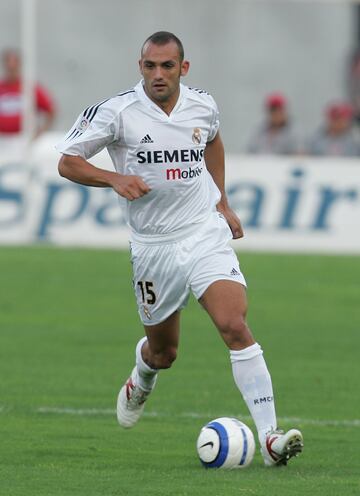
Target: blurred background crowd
(265,107)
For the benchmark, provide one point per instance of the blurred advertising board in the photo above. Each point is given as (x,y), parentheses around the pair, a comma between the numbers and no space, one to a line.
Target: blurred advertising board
(286,204)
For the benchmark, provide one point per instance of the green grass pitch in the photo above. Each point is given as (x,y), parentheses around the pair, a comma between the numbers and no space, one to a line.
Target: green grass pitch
(68,327)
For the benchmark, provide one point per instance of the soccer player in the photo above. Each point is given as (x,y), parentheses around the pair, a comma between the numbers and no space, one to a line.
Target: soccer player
(164,141)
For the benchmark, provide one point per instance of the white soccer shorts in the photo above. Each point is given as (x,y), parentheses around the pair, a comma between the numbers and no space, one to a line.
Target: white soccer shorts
(164,274)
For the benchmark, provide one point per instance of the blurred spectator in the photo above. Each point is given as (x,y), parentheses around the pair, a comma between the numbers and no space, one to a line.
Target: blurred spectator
(354,85)
(275,135)
(11,99)
(337,137)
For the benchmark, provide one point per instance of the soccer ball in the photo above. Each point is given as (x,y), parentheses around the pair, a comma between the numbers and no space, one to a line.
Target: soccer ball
(225,443)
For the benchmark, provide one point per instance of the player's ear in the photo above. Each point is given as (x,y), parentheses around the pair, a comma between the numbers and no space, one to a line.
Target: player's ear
(140,68)
(185,64)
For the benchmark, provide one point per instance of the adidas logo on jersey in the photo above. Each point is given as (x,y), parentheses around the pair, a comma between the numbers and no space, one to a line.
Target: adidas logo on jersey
(234,272)
(147,139)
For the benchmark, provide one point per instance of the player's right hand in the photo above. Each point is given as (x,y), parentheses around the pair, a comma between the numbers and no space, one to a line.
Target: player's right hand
(130,187)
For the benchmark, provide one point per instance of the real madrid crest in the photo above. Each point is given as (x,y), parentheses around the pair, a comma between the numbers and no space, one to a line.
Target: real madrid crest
(196,137)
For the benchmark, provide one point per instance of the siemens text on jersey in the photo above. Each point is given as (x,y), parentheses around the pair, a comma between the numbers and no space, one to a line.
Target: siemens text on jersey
(167,156)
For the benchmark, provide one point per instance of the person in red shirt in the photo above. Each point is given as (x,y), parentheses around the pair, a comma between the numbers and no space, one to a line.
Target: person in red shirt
(11,99)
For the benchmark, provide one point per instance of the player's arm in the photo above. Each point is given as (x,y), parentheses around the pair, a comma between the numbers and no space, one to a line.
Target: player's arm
(215,163)
(79,170)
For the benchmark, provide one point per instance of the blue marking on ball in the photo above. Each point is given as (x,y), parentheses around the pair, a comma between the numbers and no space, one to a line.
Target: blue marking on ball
(223,448)
(245,447)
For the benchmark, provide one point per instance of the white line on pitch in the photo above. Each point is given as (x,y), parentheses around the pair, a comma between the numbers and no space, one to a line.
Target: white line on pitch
(76,411)
(195,415)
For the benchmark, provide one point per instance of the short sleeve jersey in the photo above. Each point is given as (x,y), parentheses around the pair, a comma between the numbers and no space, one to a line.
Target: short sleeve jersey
(167,151)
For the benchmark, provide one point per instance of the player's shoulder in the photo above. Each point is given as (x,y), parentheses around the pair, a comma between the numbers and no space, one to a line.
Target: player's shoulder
(119,102)
(108,109)
(103,113)
(201,95)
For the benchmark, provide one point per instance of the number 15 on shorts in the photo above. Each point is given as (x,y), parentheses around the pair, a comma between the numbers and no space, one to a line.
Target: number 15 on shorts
(147,293)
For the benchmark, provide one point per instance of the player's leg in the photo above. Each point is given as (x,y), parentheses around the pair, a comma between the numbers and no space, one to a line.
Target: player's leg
(219,285)
(161,343)
(226,303)
(157,350)
(161,292)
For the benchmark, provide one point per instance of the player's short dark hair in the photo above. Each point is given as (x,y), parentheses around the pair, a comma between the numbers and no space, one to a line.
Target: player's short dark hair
(162,38)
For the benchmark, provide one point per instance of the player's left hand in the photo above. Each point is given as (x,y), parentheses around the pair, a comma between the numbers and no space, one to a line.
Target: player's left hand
(233,221)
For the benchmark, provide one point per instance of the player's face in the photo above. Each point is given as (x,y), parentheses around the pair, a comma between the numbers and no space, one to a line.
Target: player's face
(161,68)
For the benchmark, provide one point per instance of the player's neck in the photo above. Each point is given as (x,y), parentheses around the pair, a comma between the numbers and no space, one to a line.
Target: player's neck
(168,105)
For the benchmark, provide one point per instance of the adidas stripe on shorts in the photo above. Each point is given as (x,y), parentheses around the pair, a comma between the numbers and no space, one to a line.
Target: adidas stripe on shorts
(164,274)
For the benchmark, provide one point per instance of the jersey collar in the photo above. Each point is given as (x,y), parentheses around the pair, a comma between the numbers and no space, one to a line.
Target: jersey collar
(139,88)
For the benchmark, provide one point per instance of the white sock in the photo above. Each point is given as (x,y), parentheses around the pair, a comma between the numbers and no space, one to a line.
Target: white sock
(146,376)
(254,382)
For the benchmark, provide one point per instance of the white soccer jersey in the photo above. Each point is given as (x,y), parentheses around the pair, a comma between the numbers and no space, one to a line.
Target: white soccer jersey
(167,151)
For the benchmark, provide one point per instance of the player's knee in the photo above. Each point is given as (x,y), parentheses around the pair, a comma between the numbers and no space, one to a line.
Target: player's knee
(235,331)
(164,359)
